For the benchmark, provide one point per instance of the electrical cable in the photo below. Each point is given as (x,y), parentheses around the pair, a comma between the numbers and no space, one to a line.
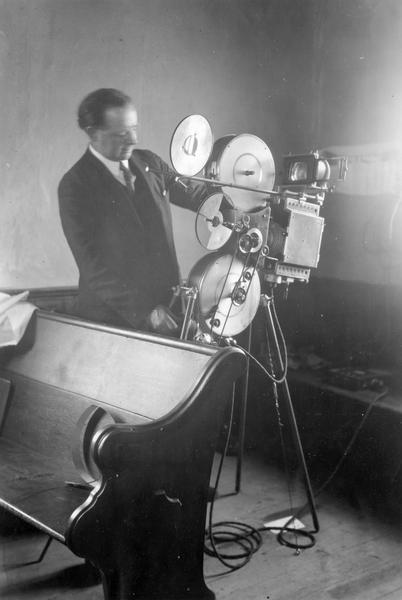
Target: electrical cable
(283,352)
(247,538)
(331,476)
(243,535)
(278,329)
(272,319)
(310,533)
(352,440)
(281,426)
(221,533)
(248,535)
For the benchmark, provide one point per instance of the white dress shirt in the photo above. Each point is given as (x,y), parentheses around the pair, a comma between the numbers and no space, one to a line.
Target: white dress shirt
(112,165)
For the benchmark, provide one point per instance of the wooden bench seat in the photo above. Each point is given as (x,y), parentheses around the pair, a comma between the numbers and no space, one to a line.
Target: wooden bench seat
(29,485)
(133,417)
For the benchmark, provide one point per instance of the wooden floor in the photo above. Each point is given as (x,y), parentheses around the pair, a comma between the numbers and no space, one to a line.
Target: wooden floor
(357,556)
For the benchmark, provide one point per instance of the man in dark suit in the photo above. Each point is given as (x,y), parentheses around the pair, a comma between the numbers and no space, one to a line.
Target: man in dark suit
(115,213)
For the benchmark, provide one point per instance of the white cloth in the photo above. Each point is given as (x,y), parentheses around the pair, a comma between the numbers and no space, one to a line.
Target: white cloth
(15,314)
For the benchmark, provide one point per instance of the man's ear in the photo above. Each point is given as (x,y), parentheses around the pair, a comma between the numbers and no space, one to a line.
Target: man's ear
(91,132)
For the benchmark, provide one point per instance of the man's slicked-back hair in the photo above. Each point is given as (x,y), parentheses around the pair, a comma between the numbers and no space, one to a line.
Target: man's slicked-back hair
(91,111)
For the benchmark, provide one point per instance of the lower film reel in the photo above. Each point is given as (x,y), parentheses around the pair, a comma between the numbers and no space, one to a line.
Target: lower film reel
(228,294)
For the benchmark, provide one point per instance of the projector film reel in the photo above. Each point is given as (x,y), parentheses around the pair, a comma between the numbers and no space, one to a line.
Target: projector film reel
(227,288)
(228,294)
(243,160)
(191,145)
(215,222)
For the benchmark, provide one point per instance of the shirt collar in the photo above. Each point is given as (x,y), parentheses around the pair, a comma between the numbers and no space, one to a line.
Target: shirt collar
(112,165)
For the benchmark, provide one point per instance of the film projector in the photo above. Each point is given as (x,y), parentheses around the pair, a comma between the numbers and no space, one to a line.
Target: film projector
(256,236)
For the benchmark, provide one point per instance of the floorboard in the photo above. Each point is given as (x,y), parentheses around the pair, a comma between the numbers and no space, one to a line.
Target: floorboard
(357,555)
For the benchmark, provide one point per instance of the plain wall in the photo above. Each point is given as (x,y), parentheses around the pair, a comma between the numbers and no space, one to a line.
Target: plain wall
(230,60)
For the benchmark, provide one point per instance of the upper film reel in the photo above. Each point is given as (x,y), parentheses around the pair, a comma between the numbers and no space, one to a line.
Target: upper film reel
(243,160)
(191,145)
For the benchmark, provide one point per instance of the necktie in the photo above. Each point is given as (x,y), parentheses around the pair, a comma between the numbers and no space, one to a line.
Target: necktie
(129,178)
(135,201)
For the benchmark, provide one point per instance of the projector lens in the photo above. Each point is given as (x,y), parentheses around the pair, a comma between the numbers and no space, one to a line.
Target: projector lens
(323,170)
(298,171)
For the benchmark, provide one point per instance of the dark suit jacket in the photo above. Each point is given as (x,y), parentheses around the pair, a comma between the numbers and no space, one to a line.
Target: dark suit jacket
(126,259)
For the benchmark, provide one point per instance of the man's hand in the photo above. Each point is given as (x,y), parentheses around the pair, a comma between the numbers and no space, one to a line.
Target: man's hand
(162,320)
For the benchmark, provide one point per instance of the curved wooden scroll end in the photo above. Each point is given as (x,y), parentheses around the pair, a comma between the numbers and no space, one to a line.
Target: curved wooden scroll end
(91,421)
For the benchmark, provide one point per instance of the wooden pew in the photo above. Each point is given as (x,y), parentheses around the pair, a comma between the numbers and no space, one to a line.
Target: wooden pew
(133,416)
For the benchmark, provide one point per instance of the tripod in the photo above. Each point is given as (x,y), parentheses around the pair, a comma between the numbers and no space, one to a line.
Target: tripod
(267,304)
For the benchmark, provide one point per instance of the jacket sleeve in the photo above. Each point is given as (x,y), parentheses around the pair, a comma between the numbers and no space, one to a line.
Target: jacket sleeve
(78,216)
(184,193)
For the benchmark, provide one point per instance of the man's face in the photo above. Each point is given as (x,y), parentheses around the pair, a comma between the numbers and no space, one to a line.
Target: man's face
(118,136)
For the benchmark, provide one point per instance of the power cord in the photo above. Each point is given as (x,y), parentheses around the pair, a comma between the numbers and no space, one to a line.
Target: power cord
(352,440)
(310,534)
(248,539)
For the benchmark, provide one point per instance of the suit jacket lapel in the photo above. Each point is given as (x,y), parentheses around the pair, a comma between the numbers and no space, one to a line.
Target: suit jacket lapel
(157,193)
(155,184)
(143,169)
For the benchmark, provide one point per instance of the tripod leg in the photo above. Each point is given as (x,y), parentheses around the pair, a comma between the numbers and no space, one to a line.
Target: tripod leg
(267,301)
(192,295)
(243,417)
(301,457)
